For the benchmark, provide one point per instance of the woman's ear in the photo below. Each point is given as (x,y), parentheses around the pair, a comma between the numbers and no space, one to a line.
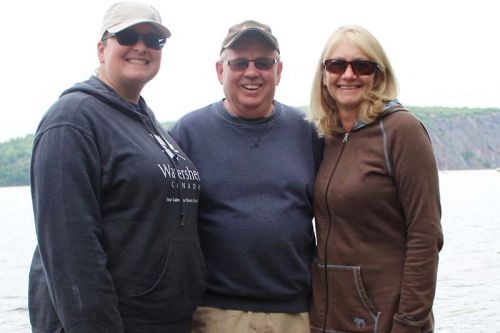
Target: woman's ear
(100,51)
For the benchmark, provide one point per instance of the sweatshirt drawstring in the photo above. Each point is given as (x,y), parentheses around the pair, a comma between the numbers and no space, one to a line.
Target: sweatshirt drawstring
(173,156)
(175,159)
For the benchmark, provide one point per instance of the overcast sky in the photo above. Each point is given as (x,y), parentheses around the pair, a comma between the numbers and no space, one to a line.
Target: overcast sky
(444,52)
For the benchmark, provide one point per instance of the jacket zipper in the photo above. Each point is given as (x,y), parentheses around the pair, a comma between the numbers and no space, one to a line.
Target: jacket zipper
(344,142)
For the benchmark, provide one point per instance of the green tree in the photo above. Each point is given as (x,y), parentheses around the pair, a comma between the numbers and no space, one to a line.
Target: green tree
(15,156)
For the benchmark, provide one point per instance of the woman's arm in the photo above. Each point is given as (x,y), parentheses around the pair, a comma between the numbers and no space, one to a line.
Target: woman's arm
(416,177)
(65,181)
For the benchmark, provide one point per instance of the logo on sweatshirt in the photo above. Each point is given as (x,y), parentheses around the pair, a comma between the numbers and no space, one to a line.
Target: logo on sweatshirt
(359,322)
(168,148)
(183,178)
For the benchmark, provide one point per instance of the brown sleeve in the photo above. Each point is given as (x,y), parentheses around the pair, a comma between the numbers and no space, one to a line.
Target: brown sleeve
(416,178)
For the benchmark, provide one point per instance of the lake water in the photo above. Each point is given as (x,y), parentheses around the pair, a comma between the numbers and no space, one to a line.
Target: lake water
(468,291)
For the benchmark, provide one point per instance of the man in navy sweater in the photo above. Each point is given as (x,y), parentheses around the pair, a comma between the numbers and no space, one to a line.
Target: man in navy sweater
(257,160)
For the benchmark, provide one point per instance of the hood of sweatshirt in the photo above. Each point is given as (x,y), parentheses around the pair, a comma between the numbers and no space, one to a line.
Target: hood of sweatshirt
(100,90)
(389,107)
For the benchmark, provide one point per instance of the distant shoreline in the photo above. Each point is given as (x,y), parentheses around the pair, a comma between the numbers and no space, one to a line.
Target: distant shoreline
(462,138)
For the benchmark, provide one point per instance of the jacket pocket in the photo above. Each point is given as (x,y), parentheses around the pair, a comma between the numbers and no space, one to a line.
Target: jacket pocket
(339,296)
(175,289)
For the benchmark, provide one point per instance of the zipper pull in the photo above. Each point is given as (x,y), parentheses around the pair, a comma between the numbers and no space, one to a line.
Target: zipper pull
(346,136)
(182,217)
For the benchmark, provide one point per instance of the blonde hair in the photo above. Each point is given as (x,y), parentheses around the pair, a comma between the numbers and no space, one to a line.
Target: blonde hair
(323,109)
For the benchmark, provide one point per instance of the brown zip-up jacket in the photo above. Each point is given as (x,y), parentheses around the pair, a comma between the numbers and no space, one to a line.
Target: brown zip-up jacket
(377,215)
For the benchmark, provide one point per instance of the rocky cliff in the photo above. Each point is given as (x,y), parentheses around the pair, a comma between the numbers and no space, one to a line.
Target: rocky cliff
(463,138)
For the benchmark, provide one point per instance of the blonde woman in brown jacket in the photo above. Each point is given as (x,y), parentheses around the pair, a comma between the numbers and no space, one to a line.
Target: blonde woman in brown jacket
(376,197)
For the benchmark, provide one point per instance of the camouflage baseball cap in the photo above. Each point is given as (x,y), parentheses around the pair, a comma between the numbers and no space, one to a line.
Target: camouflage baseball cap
(241,29)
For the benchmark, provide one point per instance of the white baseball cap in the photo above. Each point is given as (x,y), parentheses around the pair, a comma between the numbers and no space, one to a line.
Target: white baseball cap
(123,15)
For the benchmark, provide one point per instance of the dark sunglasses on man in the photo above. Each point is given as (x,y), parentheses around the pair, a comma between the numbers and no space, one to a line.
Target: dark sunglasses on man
(243,63)
(359,67)
(129,37)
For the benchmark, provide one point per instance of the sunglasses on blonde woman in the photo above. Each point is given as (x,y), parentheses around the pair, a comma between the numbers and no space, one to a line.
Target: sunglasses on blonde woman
(359,67)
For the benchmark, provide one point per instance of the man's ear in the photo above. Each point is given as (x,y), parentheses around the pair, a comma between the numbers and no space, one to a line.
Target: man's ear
(279,68)
(219,67)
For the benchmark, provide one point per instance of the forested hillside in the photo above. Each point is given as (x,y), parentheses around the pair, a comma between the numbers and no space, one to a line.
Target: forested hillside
(15,161)
(463,138)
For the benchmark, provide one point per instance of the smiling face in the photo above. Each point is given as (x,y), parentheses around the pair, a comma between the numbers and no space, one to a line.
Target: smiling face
(348,89)
(128,68)
(249,92)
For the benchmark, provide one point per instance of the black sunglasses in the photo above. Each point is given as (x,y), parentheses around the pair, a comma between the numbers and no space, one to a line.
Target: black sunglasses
(130,37)
(260,63)
(359,67)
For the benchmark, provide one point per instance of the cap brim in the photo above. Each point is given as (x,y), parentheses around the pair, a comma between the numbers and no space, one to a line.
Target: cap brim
(122,26)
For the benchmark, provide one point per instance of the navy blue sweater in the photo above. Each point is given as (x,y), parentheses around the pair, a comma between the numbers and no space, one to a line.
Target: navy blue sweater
(255,207)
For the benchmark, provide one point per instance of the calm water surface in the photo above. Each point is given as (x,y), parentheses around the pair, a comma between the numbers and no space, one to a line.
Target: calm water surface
(468,292)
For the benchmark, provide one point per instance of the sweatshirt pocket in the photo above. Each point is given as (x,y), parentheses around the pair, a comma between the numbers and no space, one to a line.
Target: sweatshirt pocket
(175,289)
(340,296)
